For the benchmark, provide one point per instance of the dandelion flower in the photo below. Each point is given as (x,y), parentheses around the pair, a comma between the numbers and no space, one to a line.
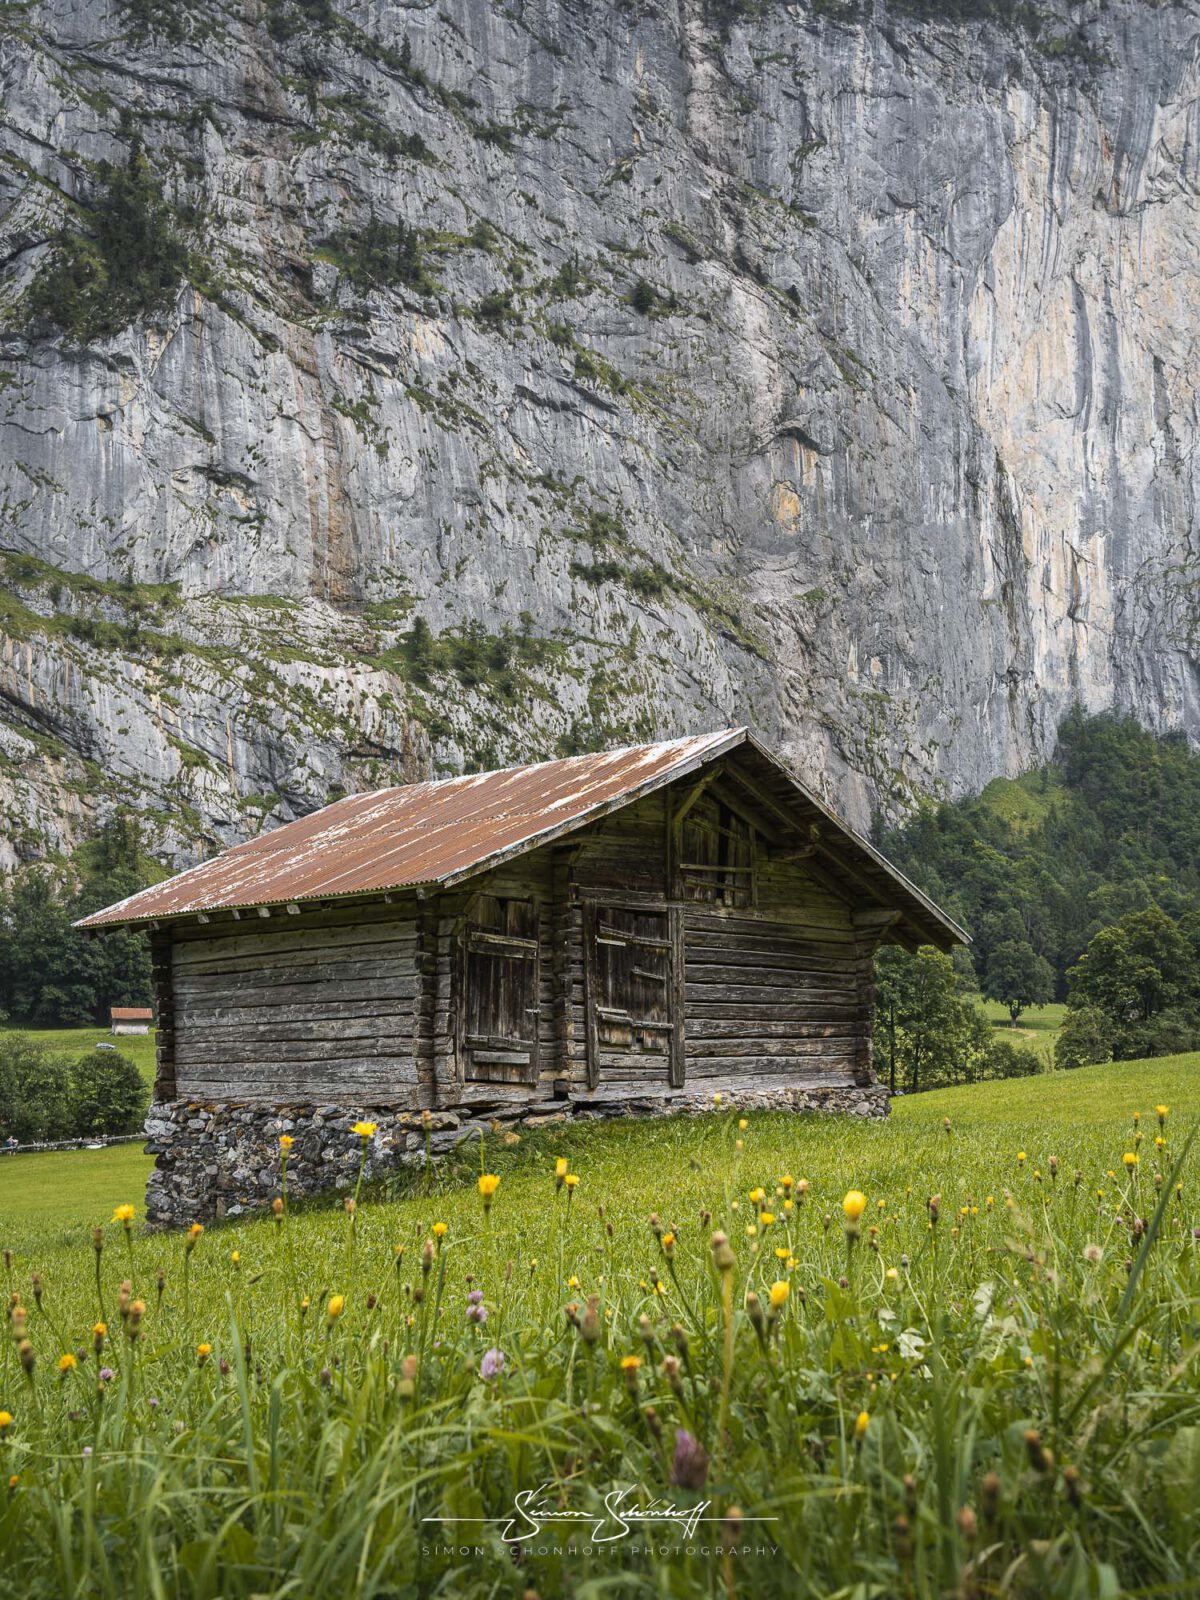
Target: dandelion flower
(1020,1158)
(203,1351)
(286,1142)
(6,1419)
(854,1205)
(123,1214)
(365,1130)
(67,1362)
(489,1182)
(440,1230)
(766,1218)
(571,1180)
(757,1196)
(861,1423)
(782,1251)
(1130,1159)
(630,1363)
(779,1293)
(337,1304)
(561,1167)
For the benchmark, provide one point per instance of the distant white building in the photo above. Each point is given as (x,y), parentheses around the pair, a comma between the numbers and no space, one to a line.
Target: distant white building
(130,1019)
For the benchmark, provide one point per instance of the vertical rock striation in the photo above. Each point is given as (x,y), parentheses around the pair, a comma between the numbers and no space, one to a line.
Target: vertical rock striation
(545,374)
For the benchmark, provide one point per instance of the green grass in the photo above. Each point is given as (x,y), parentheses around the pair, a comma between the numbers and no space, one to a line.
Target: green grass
(1025,802)
(74,1041)
(55,1198)
(1037,1028)
(884,1418)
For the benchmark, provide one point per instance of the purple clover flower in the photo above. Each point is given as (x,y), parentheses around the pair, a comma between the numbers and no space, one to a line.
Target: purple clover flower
(492,1364)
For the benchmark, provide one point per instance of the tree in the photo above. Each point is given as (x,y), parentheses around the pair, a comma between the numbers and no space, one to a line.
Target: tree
(1085,1039)
(107,1093)
(1018,977)
(1136,968)
(34,1091)
(918,1004)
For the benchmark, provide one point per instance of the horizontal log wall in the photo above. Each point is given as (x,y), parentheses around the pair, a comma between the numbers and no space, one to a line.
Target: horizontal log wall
(775,995)
(319,1006)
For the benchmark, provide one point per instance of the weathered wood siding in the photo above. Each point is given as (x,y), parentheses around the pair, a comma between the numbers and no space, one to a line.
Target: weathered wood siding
(775,995)
(316,1006)
(527,878)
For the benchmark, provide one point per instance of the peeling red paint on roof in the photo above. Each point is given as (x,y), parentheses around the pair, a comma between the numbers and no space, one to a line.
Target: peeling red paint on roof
(422,833)
(430,835)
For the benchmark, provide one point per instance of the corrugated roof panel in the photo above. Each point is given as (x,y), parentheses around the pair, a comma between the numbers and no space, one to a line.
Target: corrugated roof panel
(424,833)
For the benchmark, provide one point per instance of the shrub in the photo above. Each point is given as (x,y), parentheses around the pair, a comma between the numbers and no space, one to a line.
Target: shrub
(121,260)
(35,1090)
(1004,1059)
(1085,1040)
(107,1093)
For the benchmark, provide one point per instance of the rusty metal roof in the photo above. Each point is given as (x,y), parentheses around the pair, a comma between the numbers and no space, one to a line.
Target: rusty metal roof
(433,834)
(130,1014)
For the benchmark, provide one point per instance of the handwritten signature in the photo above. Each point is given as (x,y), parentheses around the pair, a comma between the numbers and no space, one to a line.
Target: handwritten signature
(533,1510)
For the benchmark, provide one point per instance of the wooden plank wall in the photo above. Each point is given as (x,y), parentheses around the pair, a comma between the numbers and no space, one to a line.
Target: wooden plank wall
(310,1007)
(775,998)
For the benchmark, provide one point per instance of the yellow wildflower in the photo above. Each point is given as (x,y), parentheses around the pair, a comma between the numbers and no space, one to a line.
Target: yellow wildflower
(123,1214)
(766,1218)
(5,1420)
(861,1424)
(743,1124)
(779,1293)
(630,1363)
(560,1167)
(854,1205)
(203,1351)
(440,1230)
(757,1196)
(365,1130)
(489,1182)
(286,1142)
(67,1362)
(571,1180)
(337,1304)
(782,1251)
(1130,1159)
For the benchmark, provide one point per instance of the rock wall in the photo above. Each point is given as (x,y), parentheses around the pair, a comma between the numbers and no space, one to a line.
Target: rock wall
(676,363)
(222,1159)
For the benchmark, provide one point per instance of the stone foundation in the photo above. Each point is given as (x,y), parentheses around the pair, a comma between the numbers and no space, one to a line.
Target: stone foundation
(221,1159)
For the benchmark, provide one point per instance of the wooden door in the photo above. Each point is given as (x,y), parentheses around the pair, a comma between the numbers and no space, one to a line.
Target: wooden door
(635,1018)
(498,1004)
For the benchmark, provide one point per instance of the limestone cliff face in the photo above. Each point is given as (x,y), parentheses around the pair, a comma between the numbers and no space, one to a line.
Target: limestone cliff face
(733,363)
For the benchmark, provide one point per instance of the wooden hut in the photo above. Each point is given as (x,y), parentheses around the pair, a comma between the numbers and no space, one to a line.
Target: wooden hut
(130,1019)
(631,931)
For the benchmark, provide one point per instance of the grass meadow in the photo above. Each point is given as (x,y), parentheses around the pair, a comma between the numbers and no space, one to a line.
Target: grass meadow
(983,1384)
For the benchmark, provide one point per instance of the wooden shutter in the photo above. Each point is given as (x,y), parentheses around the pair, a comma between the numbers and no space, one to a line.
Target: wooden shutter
(634,1015)
(498,1008)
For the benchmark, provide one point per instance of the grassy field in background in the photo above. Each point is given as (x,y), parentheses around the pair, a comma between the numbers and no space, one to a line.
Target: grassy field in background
(1036,1028)
(58,1197)
(74,1041)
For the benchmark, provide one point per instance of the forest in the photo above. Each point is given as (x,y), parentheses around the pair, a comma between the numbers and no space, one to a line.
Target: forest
(1079,882)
